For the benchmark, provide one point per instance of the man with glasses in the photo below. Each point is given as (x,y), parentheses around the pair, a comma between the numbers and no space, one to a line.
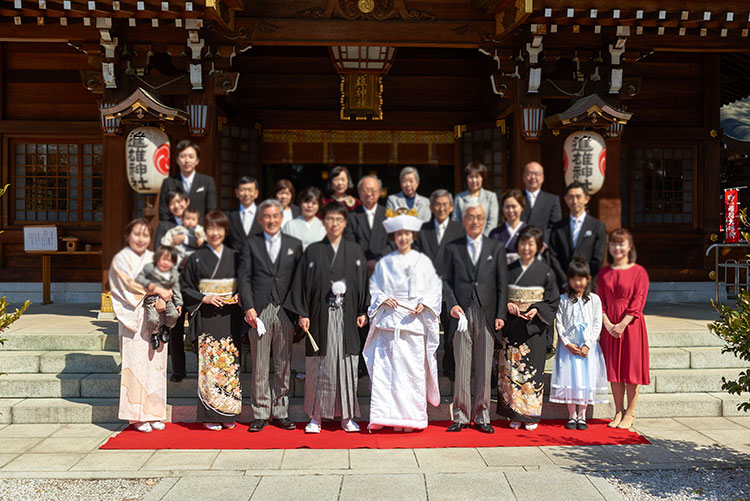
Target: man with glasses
(542,209)
(365,226)
(475,289)
(330,295)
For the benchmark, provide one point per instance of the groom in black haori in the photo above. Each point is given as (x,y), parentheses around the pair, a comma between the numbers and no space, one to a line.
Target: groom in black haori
(475,291)
(267,264)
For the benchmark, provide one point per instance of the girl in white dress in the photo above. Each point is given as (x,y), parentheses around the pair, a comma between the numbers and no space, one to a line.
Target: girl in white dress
(406,296)
(580,377)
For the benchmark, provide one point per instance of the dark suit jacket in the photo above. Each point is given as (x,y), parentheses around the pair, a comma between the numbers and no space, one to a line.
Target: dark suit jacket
(427,242)
(545,214)
(164,227)
(237,234)
(486,282)
(202,194)
(592,241)
(258,278)
(374,242)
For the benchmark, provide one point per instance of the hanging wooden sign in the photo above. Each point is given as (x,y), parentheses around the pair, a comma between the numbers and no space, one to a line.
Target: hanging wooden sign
(585,159)
(147,159)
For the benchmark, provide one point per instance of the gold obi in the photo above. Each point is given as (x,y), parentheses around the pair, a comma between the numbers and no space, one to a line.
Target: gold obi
(525,296)
(225,287)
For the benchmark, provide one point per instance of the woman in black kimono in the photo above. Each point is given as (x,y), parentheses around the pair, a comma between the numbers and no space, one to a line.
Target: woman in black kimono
(330,294)
(210,295)
(532,302)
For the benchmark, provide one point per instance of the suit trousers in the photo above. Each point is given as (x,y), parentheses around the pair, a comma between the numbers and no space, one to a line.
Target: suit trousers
(177,345)
(478,344)
(449,362)
(269,397)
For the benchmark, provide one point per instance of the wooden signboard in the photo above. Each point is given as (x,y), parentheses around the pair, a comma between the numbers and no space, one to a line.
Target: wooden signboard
(40,238)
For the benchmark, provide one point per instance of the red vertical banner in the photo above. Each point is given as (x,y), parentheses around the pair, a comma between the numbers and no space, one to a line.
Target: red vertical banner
(731,216)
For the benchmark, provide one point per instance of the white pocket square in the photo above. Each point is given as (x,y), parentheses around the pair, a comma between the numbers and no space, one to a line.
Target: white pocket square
(588,233)
(358,262)
(489,258)
(289,252)
(200,189)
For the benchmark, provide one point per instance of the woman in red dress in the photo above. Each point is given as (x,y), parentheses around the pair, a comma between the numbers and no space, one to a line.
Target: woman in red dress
(340,188)
(623,287)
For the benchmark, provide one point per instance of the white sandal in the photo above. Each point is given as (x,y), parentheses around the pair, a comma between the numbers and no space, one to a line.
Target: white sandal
(144,427)
(212,426)
(350,426)
(312,427)
(158,425)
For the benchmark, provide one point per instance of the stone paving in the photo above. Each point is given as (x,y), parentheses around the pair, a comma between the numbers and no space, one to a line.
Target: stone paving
(70,451)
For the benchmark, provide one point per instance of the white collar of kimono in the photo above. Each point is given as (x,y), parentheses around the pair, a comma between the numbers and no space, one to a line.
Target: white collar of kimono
(402,222)
(513,231)
(217,254)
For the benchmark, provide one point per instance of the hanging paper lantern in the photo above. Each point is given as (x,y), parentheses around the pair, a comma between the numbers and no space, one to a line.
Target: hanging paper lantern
(147,159)
(585,159)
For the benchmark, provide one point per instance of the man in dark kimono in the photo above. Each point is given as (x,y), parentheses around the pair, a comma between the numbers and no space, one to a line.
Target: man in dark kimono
(475,291)
(365,227)
(433,238)
(330,294)
(266,269)
(580,234)
(243,220)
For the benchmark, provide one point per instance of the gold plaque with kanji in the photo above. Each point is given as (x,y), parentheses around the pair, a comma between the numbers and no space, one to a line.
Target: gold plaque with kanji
(361,97)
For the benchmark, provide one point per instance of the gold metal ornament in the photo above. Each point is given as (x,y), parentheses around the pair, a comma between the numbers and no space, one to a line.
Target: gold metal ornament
(366,6)
(714,237)
(712,275)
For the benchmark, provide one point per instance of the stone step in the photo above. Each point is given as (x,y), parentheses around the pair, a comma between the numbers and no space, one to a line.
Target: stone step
(691,380)
(104,410)
(683,338)
(62,341)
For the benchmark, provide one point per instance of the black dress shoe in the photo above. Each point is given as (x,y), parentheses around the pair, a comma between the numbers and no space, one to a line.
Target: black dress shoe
(258,424)
(484,427)
(164,334)
(177,377)
(155,341)
(456,426)
(285,423)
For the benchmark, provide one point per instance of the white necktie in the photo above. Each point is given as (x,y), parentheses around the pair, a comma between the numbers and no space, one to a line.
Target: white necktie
(576,231)
(474,251)
(370,218)
(440,231)
(272,245)
(186,183)
(247,221)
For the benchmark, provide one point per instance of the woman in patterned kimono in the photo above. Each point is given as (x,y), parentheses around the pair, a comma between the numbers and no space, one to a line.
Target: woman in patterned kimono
(209,290)
(143,380)
(331,297)
(532,302)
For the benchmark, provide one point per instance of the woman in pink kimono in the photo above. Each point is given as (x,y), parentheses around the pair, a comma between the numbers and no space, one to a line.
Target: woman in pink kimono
(143,380)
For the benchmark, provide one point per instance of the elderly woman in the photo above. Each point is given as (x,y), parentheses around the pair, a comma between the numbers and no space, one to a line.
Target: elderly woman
(532,302)
(143,383)
(512,203)
(623,287)
(306,226)
(408,197)
(209,290)
(476,175)
(283,191)
(340,189)
(406,297)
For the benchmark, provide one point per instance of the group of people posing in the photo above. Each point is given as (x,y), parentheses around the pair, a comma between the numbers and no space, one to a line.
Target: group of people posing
(340,285)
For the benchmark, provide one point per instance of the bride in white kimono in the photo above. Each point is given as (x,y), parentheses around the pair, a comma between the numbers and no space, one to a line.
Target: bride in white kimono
(406,296)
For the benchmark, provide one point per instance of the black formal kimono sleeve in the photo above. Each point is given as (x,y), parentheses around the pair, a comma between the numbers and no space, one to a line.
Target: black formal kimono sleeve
(363,283)
(297,299)
(546,308)
(189,282)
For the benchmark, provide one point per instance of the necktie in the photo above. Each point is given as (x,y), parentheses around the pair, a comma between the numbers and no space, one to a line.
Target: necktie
(474,254)
(370,218)
(273,247)
(186,184)
(440,231)
(247,221)
(576,231)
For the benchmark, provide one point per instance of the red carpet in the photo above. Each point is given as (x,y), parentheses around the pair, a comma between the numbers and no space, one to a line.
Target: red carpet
(193,436)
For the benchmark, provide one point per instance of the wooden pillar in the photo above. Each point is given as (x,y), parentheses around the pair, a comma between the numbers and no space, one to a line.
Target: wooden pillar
(117,199)
(708,172)
(607,203)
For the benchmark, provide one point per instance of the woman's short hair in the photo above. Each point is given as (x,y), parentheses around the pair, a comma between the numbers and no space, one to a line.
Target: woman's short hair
(216,218)
(284,184)
(336,172)
(309,193)
(514,194)
(622,235)
(185,144)
(406,171)
(336,208)
(132,224)
(532,232)
(476,167)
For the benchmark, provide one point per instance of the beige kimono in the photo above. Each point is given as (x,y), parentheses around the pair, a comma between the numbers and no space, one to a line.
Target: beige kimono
(143,382)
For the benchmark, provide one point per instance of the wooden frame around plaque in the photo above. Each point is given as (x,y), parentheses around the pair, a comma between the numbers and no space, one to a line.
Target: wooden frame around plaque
(361,97)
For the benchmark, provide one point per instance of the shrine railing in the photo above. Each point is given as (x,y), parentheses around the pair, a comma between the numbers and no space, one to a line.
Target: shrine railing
(731,275)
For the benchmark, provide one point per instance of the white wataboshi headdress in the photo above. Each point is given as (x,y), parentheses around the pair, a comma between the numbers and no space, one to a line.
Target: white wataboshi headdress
(401,220)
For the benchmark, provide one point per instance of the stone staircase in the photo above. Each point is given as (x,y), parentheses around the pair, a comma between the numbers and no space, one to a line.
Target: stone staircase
(65,370)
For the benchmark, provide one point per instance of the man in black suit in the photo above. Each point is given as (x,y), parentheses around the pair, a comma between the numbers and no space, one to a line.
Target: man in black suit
(542,209)
(433,238)
(200,188)
(579,234)
(242,220)
(365,223)
(475,289)
(266,269)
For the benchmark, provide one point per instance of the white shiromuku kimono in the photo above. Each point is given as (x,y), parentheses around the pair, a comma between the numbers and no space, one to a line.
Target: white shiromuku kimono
(143,379)
(400,347)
